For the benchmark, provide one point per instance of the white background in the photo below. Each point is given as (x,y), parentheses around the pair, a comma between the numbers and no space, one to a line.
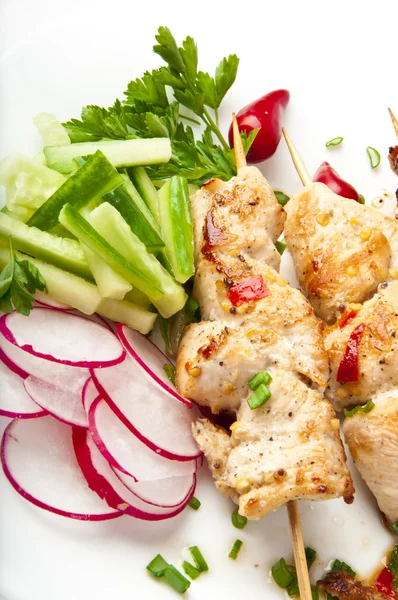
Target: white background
(339,62)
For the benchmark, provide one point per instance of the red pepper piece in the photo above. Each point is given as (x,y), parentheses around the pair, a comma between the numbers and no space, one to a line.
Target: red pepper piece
(251,288)
(327,175)
(349,367)
(266,114)
(346,317)
(385,583)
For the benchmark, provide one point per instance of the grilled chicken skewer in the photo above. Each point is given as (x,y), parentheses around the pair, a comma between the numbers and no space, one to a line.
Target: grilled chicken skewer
(254,321)
(372,437)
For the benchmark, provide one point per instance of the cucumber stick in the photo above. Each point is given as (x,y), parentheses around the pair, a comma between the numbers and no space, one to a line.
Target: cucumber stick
(176,221)
(139,274)
(62,286)
(138,298)
(110,284)
(96,177)
(62,252)
(52,132)
(127,313)
(121,153)
(111,225)
(146,189)
(135,212)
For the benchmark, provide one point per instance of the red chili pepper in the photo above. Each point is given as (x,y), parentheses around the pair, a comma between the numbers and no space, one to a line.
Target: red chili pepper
(265,113)
(385,583)
(346,317)
(251,288)
(349,367)
(327,175)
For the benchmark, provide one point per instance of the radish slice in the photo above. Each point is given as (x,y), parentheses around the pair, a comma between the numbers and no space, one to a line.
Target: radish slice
(163,424)
(45,300)
(126,452)
(89,394)
(149,358)
(102,479)
(72,378)
(39,461)
(14,401)
(62,337)
(60,402)
(166,493)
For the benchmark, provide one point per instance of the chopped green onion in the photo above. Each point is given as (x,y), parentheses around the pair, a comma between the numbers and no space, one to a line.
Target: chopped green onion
(282,198)
(374,156)
(283,574)
(280,245)
(392,563)
(190,570)
(157,566)
(314,592)
(293,589)
(164,326)
(340,565)
(194,503)
(237,520)
(361,199)
(334,142)
(235,549)
(192,310)
(310,555)
(360,409)
(394,527)
(199,559)
(176,579)
(170,372)
(259,397)
(260,377)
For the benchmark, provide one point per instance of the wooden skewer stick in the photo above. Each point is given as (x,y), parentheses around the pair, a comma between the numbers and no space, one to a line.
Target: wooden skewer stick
(240,157)
(394,121)
(297,160)
(292,506)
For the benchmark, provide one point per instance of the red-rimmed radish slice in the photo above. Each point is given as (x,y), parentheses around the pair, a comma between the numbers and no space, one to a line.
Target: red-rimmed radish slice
(72,378)
(61,403)
(62,337)
(169,492)
(14,401)
(102,479)
(126,452)
(44,300)
(12,366)
(163,424)
(149,358)
(39,461)
(89,394)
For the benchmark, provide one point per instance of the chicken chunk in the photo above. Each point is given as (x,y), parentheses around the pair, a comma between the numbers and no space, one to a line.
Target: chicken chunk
(341,249)
(287,449)
(344,586)
(377,350)
(373,442)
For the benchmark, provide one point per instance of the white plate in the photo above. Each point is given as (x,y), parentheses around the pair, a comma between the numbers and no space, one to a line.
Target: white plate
(337,62)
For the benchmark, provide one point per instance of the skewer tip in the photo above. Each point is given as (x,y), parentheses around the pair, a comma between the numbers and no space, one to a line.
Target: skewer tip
(297,160)
(394,120)
(240,157)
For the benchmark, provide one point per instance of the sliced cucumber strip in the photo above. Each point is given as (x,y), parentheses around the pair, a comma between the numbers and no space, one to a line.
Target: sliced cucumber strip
(96,177)
(146,189)
(121,153)
(62,252)
(176,222)
(62,286)
(127,313)
(135,212)
(110,284)
(111,225)
(137,274)
(138,298)
(52,132)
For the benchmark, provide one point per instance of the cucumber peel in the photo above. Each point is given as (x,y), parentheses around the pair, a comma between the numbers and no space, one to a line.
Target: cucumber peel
(146,189)
(96,177)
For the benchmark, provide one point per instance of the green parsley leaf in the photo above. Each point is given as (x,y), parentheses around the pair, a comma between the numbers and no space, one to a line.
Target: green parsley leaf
(189,54)
(225,76)
(167,48)
(207,86)
(150,89)
(18,281)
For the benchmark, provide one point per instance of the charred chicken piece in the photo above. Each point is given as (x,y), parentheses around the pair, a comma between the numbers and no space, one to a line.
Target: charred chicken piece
(344,586)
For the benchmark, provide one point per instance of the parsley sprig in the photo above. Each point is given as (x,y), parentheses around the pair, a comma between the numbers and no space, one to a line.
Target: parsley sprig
(147,111)
(18,281)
